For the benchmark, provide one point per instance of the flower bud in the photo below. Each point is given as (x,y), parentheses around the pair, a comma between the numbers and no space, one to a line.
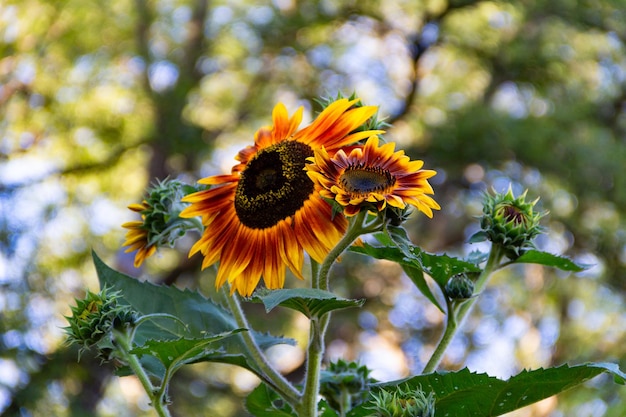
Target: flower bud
(403,403)
(343,379)
(94,317)
(510,222)
(459,287)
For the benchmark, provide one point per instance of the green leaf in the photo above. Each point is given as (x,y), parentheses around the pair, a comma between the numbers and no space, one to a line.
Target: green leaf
(310,302)
(174,353)
(415,262)
(442,267)
(548,259)
(439,267)
(417,276)
(467,394)
(202,317)
(264,402)
(478,237)
(325,410)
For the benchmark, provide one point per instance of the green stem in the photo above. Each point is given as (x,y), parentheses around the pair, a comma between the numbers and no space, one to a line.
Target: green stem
(346,402)
(315,354)
(157,399)
(355,229)
(268,373)
(318,325)
(456,316)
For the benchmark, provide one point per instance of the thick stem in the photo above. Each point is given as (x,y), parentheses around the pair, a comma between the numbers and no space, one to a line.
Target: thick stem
(268,373)
(156,396)
(315,354)
(456,317)
(318,325)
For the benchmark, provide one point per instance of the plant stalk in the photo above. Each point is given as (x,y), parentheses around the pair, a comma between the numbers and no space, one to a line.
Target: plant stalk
(318,325)
(268,373)
(156,396)
(456,316)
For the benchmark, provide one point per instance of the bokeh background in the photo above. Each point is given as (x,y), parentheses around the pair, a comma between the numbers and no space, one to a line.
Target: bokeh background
(99,98)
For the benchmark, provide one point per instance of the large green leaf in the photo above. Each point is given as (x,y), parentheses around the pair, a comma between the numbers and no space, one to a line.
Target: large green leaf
(548,259)
(173,353)
(468,394)
(309,301)
(417,276)
(202,317)
(416,262)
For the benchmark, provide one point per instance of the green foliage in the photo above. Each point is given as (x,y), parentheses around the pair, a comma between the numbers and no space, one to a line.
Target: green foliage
(467,394)
(415,261)
(174,353)
(203,320)
(264,402)
(548,259)
(309,301)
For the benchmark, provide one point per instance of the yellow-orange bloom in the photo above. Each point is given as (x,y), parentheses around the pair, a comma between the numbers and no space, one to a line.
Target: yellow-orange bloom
(263,215)
(372,177)
(137,236)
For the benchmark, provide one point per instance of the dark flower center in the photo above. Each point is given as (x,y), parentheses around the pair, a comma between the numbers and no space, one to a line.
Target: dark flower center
(274,185)
(361,180)
(511,213)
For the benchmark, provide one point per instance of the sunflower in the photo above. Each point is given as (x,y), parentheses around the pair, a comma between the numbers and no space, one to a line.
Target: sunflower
(262,216)
(372,177)
(137,237)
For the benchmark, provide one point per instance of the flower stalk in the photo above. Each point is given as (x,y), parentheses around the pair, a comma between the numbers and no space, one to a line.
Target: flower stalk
(315,351)
(268,373)
(459,310)
(123,342)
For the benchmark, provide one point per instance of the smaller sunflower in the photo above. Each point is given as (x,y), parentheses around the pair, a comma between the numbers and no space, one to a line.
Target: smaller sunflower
(372,177)
(137,237)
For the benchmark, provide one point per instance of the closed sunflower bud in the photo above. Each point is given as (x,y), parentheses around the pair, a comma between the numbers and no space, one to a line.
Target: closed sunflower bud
(94,317)
(459,287)
(510,222)
(343,379)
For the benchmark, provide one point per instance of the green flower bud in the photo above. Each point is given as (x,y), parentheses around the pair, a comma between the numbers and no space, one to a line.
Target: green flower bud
(403,403)
(510,222)
(459,287)
(94,317)
(345,383)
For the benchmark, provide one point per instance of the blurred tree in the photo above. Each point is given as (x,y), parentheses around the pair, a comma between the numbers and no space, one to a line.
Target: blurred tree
(99,98)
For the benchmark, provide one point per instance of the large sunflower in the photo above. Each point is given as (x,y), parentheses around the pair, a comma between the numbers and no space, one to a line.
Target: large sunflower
(372,177)
(267,211)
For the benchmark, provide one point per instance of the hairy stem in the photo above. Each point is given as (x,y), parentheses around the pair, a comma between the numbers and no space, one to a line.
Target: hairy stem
(156,396)
(268,373)
(456,316)
(318,325)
